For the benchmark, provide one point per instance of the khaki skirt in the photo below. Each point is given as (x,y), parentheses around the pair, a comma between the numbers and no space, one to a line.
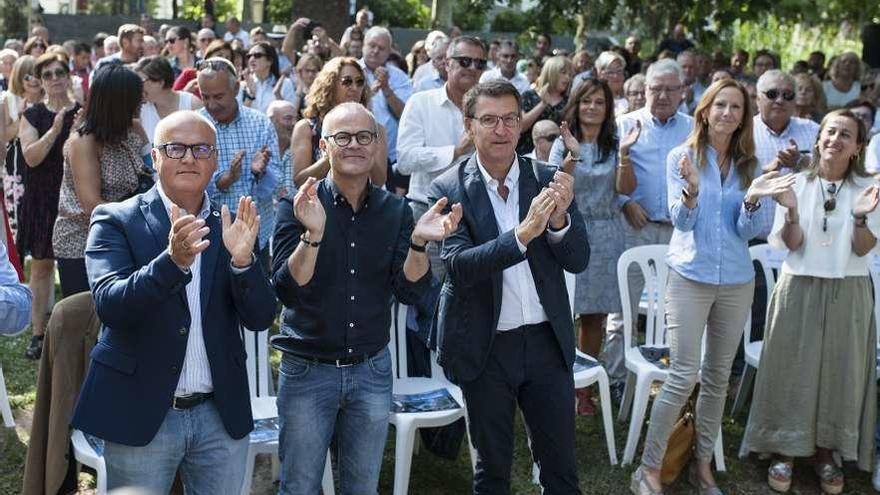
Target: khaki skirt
(816,384)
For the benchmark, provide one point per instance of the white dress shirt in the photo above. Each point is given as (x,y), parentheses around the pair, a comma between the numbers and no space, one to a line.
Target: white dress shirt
(768,143)
(241,35)
(401,86)
(872,155)
(431,125)
(195,375)
(520,304)
(518,80)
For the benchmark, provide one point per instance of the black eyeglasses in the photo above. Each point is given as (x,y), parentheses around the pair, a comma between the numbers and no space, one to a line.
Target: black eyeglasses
(466,62)
(773,94)
(348,81)
(491,121)
(53,74)
(176,151)
(256,55)
(343,138)
(831,203)
(168,41)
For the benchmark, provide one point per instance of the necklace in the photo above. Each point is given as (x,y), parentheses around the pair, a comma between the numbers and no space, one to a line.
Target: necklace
(828,205)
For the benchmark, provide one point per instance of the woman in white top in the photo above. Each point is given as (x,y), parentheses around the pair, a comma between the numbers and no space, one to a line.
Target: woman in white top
(843,83)
(816,390)
(263,81)
(159,99)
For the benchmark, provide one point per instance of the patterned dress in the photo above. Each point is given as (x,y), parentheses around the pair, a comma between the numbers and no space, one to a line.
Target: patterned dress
(530,100)
(39,204)
(596,290)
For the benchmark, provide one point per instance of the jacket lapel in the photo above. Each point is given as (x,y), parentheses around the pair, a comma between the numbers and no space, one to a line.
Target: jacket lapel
(209,257)
(528,187)
(475,188)
(159,223)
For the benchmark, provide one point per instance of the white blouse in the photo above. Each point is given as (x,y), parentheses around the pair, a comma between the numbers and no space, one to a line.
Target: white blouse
(150,114)
(825,254)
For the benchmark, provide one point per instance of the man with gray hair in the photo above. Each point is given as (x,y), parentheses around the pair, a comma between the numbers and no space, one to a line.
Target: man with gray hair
(343,247)
(508,55)
(426,70)
(390,86)
(647,136)
(436,78)
(204,38)
(694,89)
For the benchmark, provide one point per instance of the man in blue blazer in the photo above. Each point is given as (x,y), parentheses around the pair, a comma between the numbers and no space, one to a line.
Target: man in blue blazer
(173,279)
(504,317)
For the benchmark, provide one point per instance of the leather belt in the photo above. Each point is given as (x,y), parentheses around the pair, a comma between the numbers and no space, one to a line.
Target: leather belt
(339,363)
(180,402)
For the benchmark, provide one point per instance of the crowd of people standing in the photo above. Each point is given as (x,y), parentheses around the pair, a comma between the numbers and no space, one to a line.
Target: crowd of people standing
(463,179)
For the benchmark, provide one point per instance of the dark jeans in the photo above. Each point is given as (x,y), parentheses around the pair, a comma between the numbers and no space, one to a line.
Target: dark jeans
(73,277)
(526,369)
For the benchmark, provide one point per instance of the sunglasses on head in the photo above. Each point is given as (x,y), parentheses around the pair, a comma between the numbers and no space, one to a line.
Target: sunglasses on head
(773,94)
(466,62)
(348,81)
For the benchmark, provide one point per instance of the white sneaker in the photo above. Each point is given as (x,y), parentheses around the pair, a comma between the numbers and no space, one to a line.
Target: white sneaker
(876,478)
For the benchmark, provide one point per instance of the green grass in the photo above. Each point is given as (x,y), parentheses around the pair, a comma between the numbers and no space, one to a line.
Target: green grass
(431,475)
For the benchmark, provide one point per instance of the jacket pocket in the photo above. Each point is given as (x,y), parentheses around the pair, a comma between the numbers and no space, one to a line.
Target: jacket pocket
(114,358)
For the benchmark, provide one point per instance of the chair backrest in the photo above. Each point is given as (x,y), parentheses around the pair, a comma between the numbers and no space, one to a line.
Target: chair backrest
(256,345)
(397,344)
(770,260)
(650,259)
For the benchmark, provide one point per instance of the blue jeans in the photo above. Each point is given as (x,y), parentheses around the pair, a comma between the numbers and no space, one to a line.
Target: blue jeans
(315,401)
(195,440)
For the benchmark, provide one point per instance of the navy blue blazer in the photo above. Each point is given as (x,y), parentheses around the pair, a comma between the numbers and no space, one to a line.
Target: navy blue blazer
(475,257)
(140,296)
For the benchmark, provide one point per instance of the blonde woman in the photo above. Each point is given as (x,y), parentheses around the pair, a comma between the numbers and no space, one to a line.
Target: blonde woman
(634,92)
(809,97)
(843,83)
(611,67)
(547,101)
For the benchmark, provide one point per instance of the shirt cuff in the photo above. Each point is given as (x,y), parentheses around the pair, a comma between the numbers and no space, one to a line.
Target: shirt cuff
(555,236)
(520,245)
(237,270)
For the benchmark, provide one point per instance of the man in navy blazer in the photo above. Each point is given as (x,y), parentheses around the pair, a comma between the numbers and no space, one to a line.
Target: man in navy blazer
(504,319)
(173,279)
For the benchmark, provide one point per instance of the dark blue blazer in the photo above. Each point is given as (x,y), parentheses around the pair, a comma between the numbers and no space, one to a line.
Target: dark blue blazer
(475,257)
(140,296)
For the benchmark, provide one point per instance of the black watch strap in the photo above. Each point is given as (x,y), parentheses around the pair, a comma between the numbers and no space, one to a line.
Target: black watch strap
(419,249)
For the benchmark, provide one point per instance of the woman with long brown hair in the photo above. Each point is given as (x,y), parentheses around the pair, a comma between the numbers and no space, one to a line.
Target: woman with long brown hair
(713,199)
(341,80)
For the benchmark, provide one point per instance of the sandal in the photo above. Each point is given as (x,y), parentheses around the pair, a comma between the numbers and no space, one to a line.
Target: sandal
(35,348)
(779,475)
(830,477)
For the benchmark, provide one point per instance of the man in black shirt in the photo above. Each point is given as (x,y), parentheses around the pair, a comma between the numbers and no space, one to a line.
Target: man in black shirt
(343,247)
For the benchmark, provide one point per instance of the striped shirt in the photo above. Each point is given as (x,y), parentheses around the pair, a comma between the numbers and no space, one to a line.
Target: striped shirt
(250,130)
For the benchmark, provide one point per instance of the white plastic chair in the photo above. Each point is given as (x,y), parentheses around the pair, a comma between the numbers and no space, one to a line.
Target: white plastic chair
(5,408)
(406,424)
(264,439)
(641,372)
(89,450)
(770,259)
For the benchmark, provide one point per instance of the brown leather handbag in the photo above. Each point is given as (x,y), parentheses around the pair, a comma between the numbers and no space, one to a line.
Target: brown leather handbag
(681,441)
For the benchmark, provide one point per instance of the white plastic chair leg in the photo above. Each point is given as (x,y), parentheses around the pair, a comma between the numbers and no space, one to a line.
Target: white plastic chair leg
(5,409)
(327,481)
(101,481)
(605,399)
(640,406)
(248,471)
(745,385)
(719,453)
(628,391)
(403,451)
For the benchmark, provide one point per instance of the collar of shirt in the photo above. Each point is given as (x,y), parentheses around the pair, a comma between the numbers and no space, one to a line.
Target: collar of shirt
(511,181)
(443,97)
(647,117)
(761,125)
(203,214)
(225,124)
(339,198)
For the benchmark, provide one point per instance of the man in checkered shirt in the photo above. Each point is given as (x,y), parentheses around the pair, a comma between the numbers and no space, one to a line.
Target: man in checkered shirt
(247,148)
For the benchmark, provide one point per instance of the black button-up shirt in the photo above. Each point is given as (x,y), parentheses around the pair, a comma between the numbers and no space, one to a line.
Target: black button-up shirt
(344,310)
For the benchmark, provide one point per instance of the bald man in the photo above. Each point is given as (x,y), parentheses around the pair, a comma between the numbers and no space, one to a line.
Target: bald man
(173,277)
(282,114)
(544,132)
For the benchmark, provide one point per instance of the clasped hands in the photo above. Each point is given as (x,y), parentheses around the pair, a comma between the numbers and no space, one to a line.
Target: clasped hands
(187,236)
(548,207)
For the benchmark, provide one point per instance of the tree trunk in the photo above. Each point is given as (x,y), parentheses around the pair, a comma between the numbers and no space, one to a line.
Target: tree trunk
(209,7)
(174,9)
(580,34)
(441,13)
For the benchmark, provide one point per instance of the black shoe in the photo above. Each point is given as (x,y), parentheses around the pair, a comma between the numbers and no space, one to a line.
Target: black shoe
(35,349)
(616,390)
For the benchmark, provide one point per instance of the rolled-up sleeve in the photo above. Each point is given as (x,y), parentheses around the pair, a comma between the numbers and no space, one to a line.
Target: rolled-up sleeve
(683,218)
(15,298)
(413,155)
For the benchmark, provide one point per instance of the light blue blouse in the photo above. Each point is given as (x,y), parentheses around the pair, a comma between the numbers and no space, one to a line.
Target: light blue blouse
(710,242)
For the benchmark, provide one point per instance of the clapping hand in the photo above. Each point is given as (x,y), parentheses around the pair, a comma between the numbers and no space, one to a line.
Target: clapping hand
(572,145)
(867,201)
(631,138)
(770,184)
(381,82)
(240,236)
(259,161)
(561,189)
(787,157)
(690,174)
(185,240)
(434,225)
(535,222)
(307,208)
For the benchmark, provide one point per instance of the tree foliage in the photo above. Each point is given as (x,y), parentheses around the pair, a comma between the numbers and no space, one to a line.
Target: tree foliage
(195,9)
(399,13)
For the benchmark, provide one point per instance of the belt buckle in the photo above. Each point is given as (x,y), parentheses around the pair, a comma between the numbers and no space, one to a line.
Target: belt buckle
(174,404)
(343,365)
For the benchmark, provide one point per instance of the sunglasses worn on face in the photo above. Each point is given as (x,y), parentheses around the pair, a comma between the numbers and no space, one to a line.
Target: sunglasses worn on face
(176,151)
(466,62)
(53,74)
(256,55)
(773,94)
(29,77)
(348,81)
(168,41)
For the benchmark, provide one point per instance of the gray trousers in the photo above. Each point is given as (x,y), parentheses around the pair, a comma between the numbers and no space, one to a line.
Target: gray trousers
(691,307)
(613,352)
